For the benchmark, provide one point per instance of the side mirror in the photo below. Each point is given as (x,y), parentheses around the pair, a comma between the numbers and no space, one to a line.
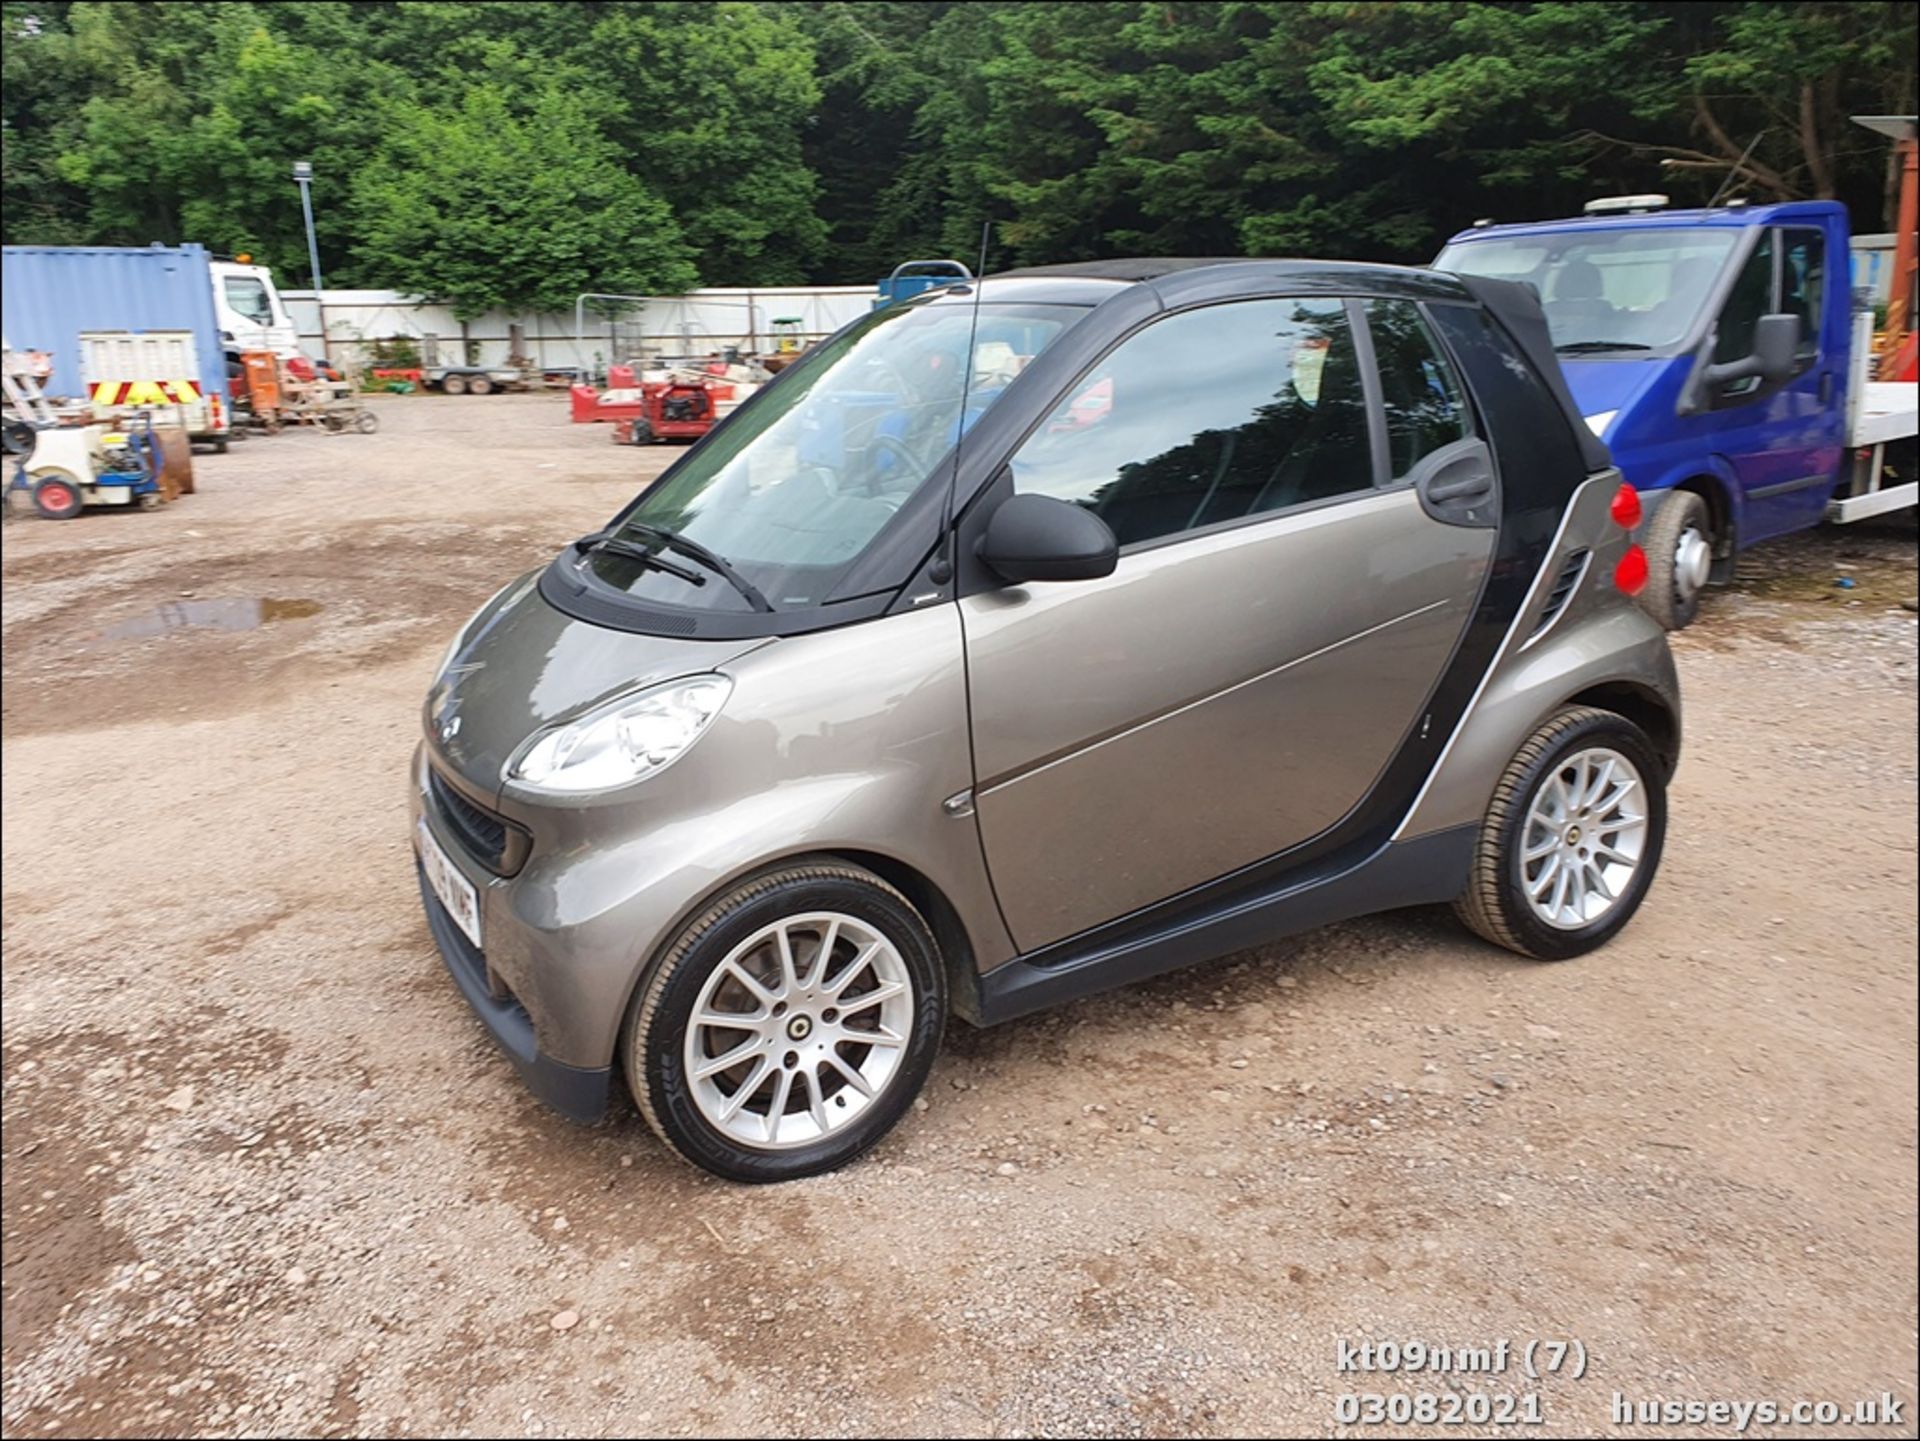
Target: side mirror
(1037,537)
(1776,345)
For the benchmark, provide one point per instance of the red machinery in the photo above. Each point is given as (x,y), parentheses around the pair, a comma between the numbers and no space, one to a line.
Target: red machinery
(684,405)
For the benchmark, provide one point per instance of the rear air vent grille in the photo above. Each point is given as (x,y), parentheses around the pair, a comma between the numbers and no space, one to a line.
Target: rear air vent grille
(1564,585)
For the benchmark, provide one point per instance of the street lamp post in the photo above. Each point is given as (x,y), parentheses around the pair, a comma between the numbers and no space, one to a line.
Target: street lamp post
(303,177)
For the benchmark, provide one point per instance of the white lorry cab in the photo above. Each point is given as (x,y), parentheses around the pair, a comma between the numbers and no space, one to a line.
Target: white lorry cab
(251,313)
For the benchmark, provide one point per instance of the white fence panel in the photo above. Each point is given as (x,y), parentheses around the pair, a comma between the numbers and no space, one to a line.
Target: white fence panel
(697,323)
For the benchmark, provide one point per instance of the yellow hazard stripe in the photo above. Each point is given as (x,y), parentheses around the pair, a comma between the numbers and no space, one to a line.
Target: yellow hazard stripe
(144,392)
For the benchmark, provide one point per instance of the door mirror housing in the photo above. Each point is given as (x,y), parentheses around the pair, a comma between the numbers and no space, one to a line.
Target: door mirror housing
(1776,345)
(1038,537)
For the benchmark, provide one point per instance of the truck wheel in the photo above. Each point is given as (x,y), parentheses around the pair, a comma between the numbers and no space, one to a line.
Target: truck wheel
(56,497)
(789,1027)
(454,384)
(220,445)
(1571,839)
(1679,548)
(366,422)
(642,431)
(480,385)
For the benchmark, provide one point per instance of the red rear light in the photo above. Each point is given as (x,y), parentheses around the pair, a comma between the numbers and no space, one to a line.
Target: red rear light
(1631,574)
(1626,507)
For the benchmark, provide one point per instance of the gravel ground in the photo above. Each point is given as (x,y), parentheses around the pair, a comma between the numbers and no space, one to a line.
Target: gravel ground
(264,1175)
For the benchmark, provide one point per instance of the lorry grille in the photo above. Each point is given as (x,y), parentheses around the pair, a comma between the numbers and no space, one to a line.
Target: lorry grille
(494,842)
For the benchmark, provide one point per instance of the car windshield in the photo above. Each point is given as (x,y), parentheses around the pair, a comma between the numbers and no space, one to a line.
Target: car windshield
(792,493)
(1606,290)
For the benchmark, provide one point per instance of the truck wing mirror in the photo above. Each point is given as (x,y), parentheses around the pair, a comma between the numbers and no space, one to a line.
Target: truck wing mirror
(1776,341)
(1776,345)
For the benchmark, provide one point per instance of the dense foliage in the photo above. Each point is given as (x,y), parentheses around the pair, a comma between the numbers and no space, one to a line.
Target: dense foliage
(519,153)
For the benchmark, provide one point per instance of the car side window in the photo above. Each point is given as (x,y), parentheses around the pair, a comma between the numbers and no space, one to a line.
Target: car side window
(1803,276)
(1426,408)
(1208,416)
(1750,298)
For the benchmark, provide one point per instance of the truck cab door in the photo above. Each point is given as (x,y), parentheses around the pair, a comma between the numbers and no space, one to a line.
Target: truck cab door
(1784,441)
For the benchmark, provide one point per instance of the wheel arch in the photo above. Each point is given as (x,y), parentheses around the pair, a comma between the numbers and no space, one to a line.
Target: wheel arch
(1714,483)
(949,933)
(1645,707)
(957,952)
(1720,513)
(1615,657)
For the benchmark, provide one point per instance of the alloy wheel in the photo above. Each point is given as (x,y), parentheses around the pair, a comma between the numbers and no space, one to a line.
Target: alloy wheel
(799,1030)
(1585,831)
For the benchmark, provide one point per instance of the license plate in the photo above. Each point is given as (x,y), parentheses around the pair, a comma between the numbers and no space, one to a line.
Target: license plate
(455,891)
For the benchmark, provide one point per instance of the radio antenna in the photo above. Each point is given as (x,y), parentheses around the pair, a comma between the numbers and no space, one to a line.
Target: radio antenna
(947,539)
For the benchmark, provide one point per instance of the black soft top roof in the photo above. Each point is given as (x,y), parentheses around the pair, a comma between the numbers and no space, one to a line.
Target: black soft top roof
(1514,304)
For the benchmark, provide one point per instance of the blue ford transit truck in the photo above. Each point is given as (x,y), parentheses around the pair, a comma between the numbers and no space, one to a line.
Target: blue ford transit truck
(1722,357)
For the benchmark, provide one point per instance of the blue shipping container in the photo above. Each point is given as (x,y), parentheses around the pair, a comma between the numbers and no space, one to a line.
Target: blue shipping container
(49,294)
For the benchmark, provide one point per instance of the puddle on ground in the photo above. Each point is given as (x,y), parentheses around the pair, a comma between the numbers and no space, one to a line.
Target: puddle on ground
(237,613)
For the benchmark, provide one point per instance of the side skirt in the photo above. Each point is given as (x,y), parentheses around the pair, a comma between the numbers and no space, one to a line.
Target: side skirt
(1419,871)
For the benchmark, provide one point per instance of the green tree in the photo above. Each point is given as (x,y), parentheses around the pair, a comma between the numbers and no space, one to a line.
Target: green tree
(881,181)
(196,115)
(828,140)
(708,102)
(42,87)
(1766,90)
(486,207)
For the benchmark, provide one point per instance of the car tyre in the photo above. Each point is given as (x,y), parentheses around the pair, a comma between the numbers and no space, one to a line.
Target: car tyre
(454,385)
(756,953)
(1585,797)
(1679,546)
(480,385)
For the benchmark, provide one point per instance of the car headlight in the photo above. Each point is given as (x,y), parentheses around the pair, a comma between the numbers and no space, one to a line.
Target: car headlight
(1600,420)
(633,737)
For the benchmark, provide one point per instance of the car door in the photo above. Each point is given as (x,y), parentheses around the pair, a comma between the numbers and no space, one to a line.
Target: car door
(1783,441)
(1282,606)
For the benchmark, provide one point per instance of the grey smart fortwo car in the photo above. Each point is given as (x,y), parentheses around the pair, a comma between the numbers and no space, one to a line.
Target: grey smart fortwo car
(1034,637)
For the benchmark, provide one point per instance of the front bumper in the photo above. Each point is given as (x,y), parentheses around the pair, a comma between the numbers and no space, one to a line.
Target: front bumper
(578,1092)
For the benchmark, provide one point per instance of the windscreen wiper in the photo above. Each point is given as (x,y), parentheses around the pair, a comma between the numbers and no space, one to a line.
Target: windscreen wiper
(646,555)
(712,560)
(1584,347)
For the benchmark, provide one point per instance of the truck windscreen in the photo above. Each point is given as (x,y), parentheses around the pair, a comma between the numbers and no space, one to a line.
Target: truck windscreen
(1615,290)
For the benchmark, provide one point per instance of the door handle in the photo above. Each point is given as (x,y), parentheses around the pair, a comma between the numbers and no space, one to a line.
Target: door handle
(1478,483)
